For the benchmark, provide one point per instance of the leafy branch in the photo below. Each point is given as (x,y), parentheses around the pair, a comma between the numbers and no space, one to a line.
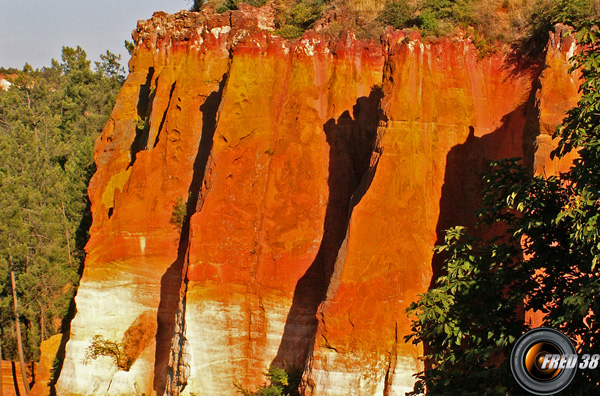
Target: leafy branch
(101,346)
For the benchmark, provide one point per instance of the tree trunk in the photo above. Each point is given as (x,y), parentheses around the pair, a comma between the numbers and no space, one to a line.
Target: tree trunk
(66,233)
(41,324)
(17,324)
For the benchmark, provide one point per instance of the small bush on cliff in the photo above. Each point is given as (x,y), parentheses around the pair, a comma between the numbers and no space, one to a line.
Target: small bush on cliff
(289,32)
(427,22)
(294,18)
(100,346)
(429,16)
(546,260)
(179,213)
(280,383)
(399,14)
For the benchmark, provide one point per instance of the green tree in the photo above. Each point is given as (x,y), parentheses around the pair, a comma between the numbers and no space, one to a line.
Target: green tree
(49,120)
(547,13)
(279,383)
(544,257)
(179,213)
(110,66)
(100,346)
(399,14)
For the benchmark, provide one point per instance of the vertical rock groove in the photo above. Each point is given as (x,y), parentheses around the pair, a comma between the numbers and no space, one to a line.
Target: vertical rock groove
(144,108)
(172,357)
(163,119)
(352,145)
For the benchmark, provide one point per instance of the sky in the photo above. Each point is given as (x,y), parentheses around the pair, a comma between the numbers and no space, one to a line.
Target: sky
(35,31)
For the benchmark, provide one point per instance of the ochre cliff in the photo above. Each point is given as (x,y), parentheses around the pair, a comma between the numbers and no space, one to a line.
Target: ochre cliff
(265,202)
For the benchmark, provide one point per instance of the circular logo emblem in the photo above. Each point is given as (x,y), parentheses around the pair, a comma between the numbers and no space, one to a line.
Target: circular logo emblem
(543,361)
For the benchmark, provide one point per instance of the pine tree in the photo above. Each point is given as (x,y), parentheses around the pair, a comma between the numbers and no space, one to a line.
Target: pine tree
(49,120)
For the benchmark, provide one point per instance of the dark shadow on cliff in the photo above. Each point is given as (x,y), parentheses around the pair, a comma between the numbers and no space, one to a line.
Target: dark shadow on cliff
(164,117)
(175,276)
(528,53)
(467,163)
(524,60)
(15,378)
(144,108)
(352,141)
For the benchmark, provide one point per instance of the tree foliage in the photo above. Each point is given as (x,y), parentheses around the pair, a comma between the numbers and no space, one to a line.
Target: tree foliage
(279,383)
(480,19)
(399,14)
(49,120)
(102,347)
(179,213)
(523,23)
(545,259)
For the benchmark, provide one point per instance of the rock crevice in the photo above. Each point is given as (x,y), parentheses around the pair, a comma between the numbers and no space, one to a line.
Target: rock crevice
(174,339)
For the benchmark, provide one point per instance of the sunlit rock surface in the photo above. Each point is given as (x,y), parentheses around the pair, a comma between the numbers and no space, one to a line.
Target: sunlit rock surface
(264,202)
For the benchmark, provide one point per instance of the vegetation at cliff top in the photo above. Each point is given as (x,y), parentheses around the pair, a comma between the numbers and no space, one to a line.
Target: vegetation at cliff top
(485,21)
(49,120)
(545,260)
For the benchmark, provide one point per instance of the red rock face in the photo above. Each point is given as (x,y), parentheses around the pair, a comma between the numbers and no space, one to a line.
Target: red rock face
(263,202)
(448,115)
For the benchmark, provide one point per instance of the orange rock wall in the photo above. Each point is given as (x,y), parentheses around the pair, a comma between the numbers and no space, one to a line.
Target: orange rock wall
(12,382)
(44,370)
(312,179)
(448,114)
(558,92)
